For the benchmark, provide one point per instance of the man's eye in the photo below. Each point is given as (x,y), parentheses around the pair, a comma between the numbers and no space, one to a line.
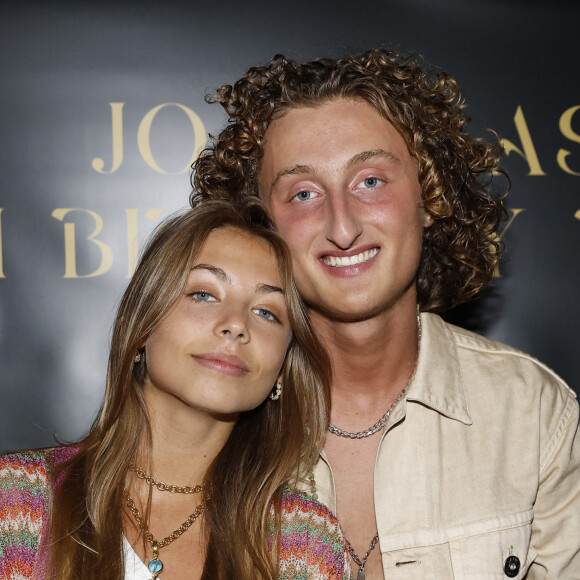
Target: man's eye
(304,195)
(371,182)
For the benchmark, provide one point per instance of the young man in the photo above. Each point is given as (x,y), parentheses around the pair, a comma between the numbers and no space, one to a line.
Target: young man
(448,455)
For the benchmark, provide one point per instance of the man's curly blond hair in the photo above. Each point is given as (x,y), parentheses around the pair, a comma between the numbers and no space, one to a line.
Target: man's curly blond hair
(456,171)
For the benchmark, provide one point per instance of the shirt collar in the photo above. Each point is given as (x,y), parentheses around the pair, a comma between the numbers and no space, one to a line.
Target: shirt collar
(438,383)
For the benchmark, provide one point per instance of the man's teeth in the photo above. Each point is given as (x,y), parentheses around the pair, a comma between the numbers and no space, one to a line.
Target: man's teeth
(350,260)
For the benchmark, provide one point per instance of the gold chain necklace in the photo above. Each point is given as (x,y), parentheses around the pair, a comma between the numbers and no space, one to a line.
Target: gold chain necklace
(161,486)
(155,565)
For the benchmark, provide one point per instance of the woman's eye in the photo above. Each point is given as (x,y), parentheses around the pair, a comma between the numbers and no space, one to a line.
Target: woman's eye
(203,296)
(265,313)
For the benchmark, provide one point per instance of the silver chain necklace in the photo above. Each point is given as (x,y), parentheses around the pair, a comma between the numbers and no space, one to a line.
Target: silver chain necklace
(362,563)
(371,430)
(381,422)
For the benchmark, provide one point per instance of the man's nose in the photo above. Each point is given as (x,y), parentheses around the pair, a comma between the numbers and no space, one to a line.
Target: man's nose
(343,226)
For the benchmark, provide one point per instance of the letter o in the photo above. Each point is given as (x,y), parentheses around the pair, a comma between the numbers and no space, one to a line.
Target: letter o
(144,132)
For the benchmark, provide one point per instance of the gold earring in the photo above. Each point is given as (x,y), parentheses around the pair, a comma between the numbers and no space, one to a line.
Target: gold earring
(275,395)
(137,357)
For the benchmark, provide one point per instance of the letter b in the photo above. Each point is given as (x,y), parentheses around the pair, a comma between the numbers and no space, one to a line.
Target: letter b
(70,270)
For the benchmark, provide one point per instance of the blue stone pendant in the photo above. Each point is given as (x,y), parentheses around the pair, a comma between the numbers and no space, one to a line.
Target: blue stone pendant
(155,566)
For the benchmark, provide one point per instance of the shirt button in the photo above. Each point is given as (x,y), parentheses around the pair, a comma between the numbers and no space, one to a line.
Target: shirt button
(511,566)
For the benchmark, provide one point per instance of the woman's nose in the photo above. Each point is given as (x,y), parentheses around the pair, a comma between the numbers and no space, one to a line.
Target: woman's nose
(234,326)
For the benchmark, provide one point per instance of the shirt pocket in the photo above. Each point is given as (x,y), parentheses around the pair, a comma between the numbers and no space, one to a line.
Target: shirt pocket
(479,550)
(418,563)
(494,548)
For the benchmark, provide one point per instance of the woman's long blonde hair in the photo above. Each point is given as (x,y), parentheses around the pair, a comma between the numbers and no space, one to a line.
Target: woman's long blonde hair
(265,451)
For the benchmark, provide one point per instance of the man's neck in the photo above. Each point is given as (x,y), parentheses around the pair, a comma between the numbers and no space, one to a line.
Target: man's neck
(372,361)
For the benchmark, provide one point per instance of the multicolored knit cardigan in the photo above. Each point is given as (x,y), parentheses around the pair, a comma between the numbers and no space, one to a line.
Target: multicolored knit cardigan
(311,543)
(25,494)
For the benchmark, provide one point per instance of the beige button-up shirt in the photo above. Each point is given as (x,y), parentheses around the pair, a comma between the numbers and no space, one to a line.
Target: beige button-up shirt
(480,463)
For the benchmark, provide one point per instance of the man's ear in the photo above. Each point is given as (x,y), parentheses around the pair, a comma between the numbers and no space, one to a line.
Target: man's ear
(428,220)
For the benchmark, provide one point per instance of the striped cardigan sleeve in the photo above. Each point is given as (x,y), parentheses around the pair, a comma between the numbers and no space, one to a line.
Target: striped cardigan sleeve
(24,498)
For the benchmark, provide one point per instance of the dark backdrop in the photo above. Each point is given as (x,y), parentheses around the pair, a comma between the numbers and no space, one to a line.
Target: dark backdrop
(78,76)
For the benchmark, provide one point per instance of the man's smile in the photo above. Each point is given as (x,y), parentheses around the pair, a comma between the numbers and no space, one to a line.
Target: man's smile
(341,262)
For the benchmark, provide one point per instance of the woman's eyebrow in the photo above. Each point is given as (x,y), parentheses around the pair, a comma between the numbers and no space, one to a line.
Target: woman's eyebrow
(217,272)
(267,288)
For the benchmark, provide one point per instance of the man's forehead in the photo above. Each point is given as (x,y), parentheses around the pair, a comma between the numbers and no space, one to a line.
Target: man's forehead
(313,110)
(328,117)
(347,129)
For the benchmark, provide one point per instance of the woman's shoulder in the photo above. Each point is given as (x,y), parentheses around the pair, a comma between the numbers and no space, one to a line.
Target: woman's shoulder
(24,498)
(29,471)
(41,458)
(26,468)
(25,485)
(312,544)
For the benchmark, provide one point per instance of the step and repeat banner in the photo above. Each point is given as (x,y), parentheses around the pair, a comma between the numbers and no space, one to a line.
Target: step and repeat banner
(102,112)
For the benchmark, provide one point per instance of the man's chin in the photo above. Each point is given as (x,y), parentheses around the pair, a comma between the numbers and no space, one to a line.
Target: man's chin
(344,313)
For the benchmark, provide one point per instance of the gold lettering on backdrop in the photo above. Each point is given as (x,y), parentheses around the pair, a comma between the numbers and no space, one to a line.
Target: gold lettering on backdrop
(117,133)
(1,252)
(498,237)
(144,132)
(566,130)
(133,233)
(529,151)
(577,214)
(70,258)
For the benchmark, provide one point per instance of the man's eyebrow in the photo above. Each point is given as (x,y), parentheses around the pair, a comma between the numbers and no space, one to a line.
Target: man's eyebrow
(354,160)
(371,154)
(294,170)
(267,288)
(217,272)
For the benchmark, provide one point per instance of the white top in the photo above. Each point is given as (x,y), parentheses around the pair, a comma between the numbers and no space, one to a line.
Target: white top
(135,569)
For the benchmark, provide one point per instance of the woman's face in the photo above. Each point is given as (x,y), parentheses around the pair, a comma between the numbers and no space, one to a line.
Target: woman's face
(220,348)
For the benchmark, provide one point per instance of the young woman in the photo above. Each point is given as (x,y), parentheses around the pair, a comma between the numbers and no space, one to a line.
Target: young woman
(216,398)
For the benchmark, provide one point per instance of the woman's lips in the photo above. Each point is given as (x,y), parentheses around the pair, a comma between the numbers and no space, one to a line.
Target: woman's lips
(225,363)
